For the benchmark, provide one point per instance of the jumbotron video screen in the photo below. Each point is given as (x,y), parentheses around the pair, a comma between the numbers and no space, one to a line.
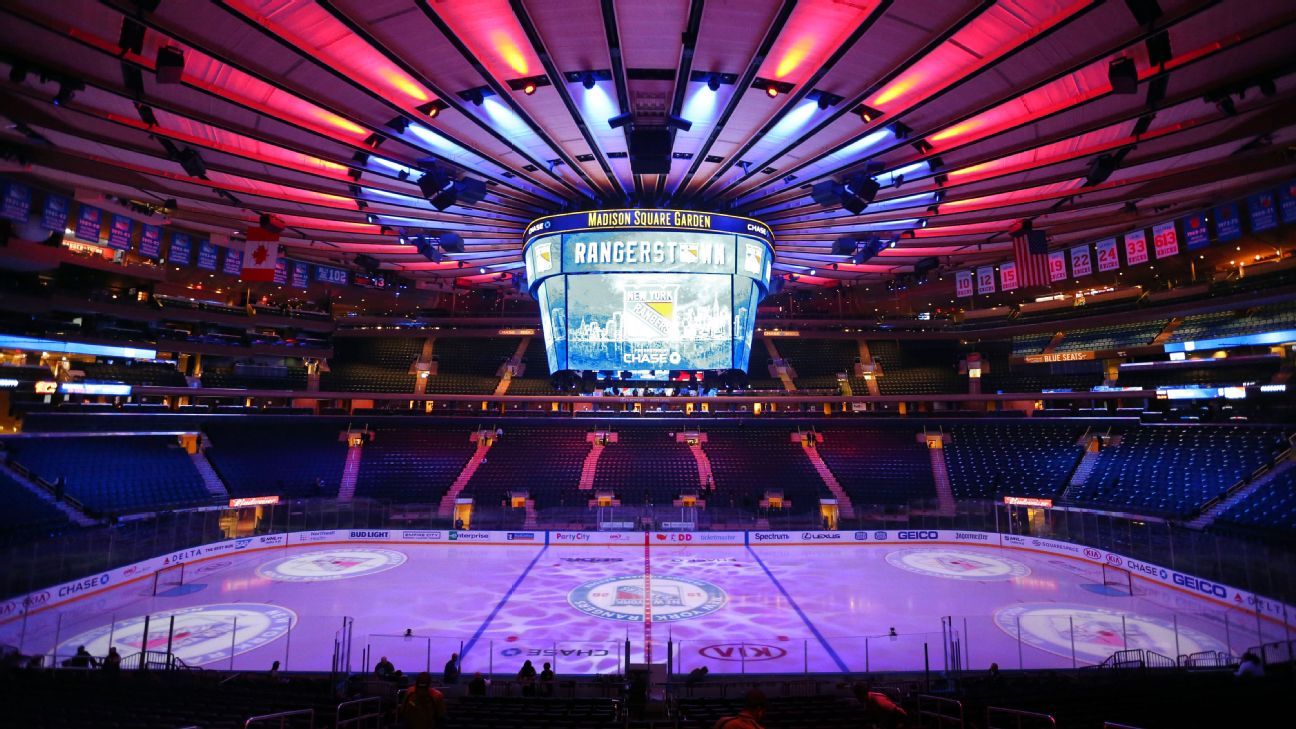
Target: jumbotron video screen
(648,290)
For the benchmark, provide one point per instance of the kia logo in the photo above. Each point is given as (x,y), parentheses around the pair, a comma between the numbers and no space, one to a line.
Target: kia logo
(1113,559)
(743,652)
(1092,553)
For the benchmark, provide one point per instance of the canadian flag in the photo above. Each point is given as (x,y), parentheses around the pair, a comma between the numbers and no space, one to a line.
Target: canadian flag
(260,255)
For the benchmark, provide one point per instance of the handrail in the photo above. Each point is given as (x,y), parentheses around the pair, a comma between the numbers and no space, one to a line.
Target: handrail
(1114,725)
(282,716)
(937,711)
(376,714)
(1035,718)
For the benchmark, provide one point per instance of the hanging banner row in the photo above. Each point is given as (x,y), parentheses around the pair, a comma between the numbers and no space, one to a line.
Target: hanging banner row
(1265,211)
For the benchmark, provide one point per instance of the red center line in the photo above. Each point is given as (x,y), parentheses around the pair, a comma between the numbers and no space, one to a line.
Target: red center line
(647,599)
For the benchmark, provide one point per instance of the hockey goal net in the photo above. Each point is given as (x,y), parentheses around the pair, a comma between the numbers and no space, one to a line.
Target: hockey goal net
(168,578)
(1118,579)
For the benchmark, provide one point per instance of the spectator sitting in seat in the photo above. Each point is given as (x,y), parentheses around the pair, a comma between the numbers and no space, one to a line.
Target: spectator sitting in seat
(750,716)
(422,707)
(547,681)
(696,675)
(1250,667)
(450,675)
(384,668)
(526,679)
(477,686)
(82,659)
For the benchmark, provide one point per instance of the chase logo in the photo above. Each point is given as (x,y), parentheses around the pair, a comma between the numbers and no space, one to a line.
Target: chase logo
(758,229)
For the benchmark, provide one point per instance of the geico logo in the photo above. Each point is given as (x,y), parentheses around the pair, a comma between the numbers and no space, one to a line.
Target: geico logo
(775,536)
(809,536)
(917,535)
(1202,586)
(1092,553)
(369,535)
(759,229)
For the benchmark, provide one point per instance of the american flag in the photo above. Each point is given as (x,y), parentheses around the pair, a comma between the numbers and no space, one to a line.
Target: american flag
(1032,268)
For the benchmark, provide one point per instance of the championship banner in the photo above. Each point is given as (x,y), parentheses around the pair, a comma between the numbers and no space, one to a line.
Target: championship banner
(1165,239)
(985,280)
(1228,222)
(1081,261)
(180,251)
(1264,211)
(208,255)
(233,262)
(89,220)
(119,232)
(1057,266)
(1196,234)
(1007,276)
(17,202)
(55,215)
(1108,257)
(280,270)
(1136,248)
(150,245)
(1287,202)
(963,283)
(300,275)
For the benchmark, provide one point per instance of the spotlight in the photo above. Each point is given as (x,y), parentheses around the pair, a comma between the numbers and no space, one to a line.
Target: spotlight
(272,223)
(438,188)
(772,91)
(481,269)
(620,120)
(431,108)
(811,272)
(1226,106)
(923,146)
(676,122)
(398,124)
(588,80)
(900,131)
(713,82)
(529,88)
(867,114)
(192,162)
(170,65)
(67,91)
(1100,168)
(825,100)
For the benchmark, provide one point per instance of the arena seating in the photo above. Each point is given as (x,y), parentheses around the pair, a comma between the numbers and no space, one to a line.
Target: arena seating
(257,460)
(116,474)
(1113,336)
(823,712)
(1216,375)
(510,465)
(132,373)
(1235,323)
(1171,470)
(1024,344)
(467,365)
(1271,506)
(741,478)
(413,463)
(758,376)
(818,361)
(474,713)
(917,369)
(294,378)
(1036,378)
(371,364)
(646,465)
(25,514)
(988,461)
(878,465)
(535,381)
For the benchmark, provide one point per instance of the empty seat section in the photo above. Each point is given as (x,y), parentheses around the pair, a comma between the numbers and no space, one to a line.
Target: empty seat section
(878,465)
(283,459)
(1172,470)
(535,380)
(372,364)
(25,514)
(116,473)
(1024,344)
(1113,336)
(412,463)
(917,368)
(132,373)
(512,464)
(468,365)
(646,465)
(988,461)
(1217,375)
(1272,506)
(818,361)
(1267,318)
(747,461)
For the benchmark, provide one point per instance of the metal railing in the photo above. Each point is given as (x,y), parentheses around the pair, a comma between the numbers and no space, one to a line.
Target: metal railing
(1000,718)
(1114,725)
(283,719)
(368,713)
(938,712)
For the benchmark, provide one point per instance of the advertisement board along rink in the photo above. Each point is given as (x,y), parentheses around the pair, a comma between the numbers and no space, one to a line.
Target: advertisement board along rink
(733,601)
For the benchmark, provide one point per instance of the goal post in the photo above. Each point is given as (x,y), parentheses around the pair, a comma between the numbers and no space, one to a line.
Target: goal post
(168,578)
(1118,578)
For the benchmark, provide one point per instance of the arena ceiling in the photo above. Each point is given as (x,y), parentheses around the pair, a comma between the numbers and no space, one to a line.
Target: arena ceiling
(970,115)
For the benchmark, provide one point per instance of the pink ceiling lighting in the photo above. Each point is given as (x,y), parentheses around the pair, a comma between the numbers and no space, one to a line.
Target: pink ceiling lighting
(982,42)
(1016,197)
(493,34)
(813,31)
(312,29)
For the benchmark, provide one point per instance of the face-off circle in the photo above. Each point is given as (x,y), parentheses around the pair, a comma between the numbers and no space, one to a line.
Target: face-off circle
(955,564)
(331,564)
(1099,633)
(203,634)
(622,598)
